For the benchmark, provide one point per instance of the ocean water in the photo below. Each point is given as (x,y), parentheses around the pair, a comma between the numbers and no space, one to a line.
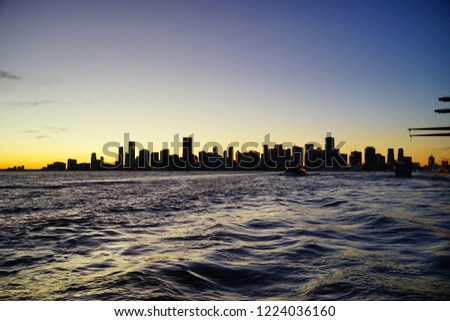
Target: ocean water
(223,236)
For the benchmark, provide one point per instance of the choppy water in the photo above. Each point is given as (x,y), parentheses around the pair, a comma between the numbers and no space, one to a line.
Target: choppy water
(223,236)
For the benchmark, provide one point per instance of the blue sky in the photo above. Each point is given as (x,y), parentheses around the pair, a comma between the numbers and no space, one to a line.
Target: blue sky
(80,73)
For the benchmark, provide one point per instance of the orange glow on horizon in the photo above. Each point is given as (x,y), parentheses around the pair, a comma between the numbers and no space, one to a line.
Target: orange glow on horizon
(34,160)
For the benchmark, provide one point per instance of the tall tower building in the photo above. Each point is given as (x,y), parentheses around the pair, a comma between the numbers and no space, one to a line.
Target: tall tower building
(154,160)
(297,154)
(132,154)
(188,155)
(431,162)
(401,157)
(345,159)
(144,159)
(381,162)
(370,159)
(71,164)
(266,156)
(390,159)
(165,159)
(309,160)
(356,159)
(329,147)
(120,161)
(230,157)
(95,163)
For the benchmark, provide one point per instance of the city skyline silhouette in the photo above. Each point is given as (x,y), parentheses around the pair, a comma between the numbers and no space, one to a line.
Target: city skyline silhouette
(312,156)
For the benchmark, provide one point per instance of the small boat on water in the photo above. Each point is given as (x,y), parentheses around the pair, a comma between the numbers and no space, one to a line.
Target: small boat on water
(297,171)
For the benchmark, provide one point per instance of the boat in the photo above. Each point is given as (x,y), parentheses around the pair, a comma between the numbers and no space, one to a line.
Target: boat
(298,171)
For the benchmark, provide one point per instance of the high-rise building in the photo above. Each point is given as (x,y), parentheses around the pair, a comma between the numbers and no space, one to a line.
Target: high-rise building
(280,156)
(401,157)
(381,162)
(309,148)
(431,162)
(338,159)
(320,156)
(266,156)
(131,155)
(345,159)
(71,164)
(95,163)
(314,158)
(390,159)
(165,158)
(121,160)
(370,159)
(297,154)
(295,159)
(269,158)
(144,159)
(329,148)
(154,160)
(356,159)
(188,155)
(230,160)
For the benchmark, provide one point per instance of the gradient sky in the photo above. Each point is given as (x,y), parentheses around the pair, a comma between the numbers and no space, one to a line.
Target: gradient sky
(77,74)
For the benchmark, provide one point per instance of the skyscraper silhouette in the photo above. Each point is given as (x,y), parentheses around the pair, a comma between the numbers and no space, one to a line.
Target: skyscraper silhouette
(121,160)
(95,163)
(401,157)
(131,155)
(188,155)
(329,148)
(390,159)
(356,159)
(370,159)
(230,160)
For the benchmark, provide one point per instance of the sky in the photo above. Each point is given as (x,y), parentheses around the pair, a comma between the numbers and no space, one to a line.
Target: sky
(75,75)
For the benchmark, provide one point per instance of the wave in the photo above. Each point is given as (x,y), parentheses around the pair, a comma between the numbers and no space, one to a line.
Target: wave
(252,236)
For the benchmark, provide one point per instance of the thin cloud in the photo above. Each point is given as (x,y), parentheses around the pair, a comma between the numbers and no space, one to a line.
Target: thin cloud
(41,102)
(31,104)
(7,75)
(46,132)
(56,130)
